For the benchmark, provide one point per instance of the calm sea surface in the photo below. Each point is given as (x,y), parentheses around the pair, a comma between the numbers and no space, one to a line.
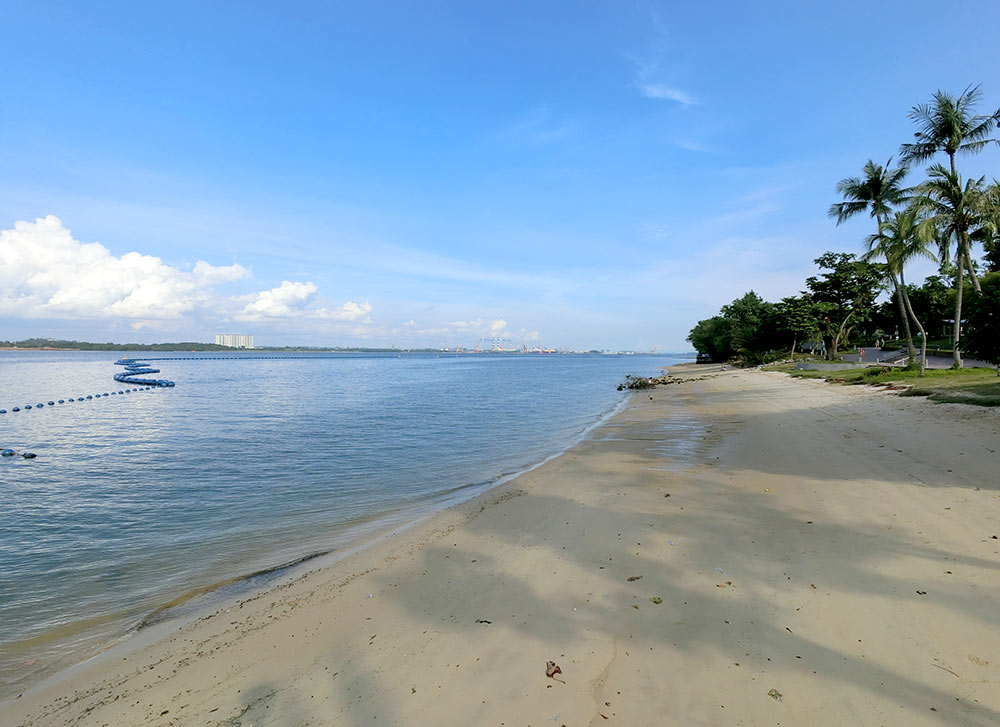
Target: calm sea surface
(140,499)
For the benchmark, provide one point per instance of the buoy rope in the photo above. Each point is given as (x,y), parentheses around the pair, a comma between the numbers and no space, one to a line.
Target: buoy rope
(137,368)
(134,368)
(54,402)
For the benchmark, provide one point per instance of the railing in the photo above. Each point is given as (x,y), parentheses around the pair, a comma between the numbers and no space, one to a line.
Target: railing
(893,356)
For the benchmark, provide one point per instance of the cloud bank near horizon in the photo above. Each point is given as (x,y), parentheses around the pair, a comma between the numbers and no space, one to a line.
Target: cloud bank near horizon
(45,273)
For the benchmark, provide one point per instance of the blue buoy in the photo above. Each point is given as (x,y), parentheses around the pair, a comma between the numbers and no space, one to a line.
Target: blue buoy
(29,455)
(138,367)
(89,396)
(7,453)
(39,405)
(16,408)
(52,403)
(63,402)
(27,406)
(3,411)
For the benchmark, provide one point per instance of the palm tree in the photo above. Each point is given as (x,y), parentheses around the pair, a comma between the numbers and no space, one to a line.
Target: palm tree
(899,242)
(988,232)
(952,210)
(951,125)
(876,193)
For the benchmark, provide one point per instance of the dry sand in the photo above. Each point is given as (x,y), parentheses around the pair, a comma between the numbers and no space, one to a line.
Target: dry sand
(835,545)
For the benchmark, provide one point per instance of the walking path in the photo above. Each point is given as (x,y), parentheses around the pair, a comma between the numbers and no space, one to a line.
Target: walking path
(874,355)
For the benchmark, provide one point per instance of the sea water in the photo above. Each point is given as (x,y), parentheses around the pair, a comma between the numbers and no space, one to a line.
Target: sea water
(251,462)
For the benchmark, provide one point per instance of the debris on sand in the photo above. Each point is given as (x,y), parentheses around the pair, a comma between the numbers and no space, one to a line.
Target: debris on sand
(551,669)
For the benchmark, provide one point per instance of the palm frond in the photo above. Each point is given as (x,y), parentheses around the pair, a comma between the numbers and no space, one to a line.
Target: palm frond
(969,98)
(978,128)
(873,245)
(900,240)
(918,152)
(877,191)
(843,211)
(949,124)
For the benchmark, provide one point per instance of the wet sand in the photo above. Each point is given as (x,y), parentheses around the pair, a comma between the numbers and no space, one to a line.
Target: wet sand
(738,549)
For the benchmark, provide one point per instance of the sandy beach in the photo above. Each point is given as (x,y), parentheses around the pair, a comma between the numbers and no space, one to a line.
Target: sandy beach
(740,548)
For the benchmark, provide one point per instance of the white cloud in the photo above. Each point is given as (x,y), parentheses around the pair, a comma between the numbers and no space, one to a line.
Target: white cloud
(479,326)
(659,91)
(46,273)
(473,325)
(281,302)
(349,311)
(652,66)
(291,300)
(212,274)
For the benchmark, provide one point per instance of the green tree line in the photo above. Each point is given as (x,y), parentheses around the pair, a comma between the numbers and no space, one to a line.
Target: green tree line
(36,343)
(938,218)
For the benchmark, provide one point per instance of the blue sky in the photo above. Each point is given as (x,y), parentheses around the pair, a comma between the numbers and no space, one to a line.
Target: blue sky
(581,175)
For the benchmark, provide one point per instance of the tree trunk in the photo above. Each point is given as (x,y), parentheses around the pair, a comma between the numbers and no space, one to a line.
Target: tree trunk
(910,348)
(972,270)
(794,339)
(923,333)
(842,332)
(963,242)
(959,286)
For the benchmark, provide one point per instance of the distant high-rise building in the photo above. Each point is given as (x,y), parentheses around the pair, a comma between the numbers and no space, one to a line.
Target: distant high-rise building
(233,340)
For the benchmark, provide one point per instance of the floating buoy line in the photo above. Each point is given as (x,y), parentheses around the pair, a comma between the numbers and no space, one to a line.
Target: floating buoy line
(134,368)
(56,402)
(136,371)
(133,371)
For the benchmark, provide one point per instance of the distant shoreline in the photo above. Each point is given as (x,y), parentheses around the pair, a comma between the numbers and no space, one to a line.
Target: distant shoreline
(211,348)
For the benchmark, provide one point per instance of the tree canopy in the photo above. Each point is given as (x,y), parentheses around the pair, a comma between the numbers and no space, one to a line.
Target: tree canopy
(843,304)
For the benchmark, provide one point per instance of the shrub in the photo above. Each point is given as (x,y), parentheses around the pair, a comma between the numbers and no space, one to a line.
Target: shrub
(875,371)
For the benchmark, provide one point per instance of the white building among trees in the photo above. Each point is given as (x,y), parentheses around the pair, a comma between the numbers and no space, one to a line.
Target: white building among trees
(233,340)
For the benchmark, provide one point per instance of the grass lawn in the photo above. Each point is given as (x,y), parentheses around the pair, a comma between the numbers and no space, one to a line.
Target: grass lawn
(979,386)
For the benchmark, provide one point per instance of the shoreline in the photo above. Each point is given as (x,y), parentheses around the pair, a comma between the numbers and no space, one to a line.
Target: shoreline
(797,542)
(197,602)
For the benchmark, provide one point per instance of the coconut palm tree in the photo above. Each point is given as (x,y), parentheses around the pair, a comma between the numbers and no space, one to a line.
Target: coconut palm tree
(951,211)
(898,242)
(989,229)
(876,192)
(951,125)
